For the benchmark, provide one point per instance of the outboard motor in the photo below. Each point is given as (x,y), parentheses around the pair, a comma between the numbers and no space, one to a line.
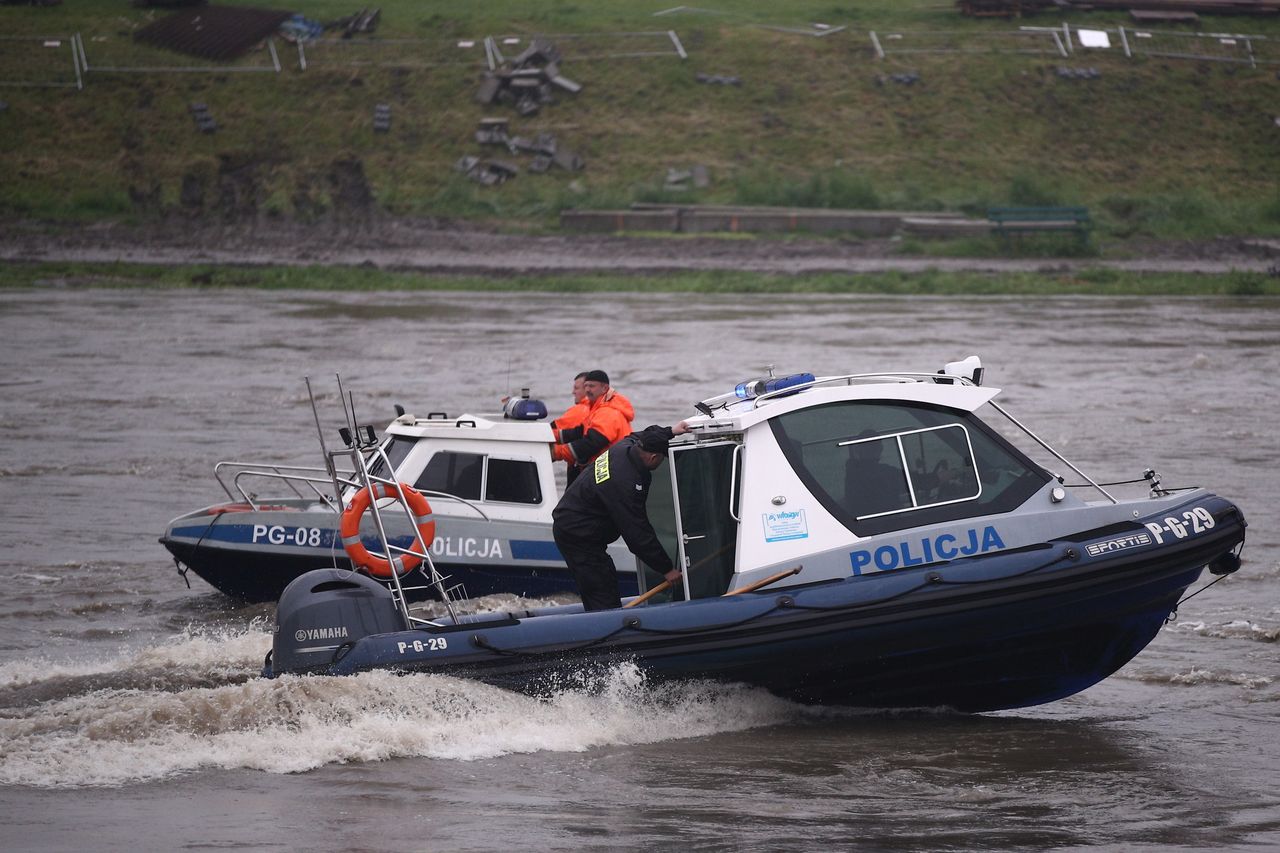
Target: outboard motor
(324,610)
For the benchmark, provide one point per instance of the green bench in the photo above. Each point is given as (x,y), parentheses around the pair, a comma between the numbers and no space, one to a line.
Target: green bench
(1013,220)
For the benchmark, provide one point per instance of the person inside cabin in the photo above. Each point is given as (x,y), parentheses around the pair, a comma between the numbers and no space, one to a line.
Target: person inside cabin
(870,485)
(608,421)
(574,416)
(608,502)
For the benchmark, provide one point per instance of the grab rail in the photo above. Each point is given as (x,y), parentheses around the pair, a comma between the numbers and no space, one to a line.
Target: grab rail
(287,474)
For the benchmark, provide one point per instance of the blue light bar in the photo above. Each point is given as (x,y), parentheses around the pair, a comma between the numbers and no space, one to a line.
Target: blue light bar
(759,387)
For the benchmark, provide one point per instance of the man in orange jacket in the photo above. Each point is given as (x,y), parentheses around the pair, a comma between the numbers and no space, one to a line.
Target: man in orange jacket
(575,415)
(608,420)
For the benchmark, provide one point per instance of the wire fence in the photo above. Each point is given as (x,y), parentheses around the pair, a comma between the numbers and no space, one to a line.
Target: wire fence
(1044,42)
(41,61)
(1251,50)
(329,53)
(69,61)
(1064,41)
(125,55)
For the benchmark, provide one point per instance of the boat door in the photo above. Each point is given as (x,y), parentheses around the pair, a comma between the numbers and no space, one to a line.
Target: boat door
(704,485)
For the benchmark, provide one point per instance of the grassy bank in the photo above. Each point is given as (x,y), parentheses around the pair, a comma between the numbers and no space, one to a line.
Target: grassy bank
(1093,282)
(1155,147)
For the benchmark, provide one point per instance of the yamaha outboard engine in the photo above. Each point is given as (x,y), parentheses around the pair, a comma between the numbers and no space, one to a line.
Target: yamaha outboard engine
(321,612)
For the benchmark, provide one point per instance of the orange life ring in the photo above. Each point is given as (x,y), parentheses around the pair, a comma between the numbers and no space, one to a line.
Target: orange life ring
(381,567)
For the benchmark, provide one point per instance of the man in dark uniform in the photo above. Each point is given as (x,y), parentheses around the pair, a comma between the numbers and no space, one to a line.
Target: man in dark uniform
(608,501)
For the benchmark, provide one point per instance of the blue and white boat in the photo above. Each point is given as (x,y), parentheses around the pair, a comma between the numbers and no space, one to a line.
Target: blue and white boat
(491,485)
(875,540)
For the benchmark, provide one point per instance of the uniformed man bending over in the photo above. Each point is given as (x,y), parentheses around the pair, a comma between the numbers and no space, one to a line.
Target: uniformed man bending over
(608,501)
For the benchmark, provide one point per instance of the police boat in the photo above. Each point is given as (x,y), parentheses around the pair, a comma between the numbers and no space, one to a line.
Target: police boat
(488,481)
(875,540)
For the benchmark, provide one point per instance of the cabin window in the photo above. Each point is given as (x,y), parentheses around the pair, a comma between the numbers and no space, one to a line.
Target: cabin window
(457,474)
(907,470)
(467,475)
(513,481)
(396,448)
(880,466)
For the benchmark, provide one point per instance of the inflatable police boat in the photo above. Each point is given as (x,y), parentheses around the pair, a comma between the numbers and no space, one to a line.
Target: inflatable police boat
(487,480)
(869,540)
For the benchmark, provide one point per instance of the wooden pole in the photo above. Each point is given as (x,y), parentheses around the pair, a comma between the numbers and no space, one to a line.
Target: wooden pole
(764,582)
(641,599)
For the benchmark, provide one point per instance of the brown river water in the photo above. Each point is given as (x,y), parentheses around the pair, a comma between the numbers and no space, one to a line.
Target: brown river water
(131,714)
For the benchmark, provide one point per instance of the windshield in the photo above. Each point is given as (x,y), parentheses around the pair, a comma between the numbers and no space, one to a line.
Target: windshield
(397,448)
(883,466)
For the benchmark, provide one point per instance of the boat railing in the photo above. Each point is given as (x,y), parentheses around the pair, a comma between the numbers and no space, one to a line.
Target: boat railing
(730,398)
(861,379)
(312,478)
(290,475)
(468,504)
(726,400)
(366,455)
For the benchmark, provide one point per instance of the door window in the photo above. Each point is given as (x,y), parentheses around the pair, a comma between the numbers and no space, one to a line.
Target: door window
(704,479)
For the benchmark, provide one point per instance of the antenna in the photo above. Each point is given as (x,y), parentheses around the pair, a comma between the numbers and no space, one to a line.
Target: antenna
(350,415)
(328,463)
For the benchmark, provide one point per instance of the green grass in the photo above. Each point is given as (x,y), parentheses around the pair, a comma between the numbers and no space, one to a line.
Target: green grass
(1163,148)
(1094,282)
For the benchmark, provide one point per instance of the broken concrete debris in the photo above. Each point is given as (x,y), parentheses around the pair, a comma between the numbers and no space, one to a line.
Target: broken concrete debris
(1068,73)
(204,120)
(718,79)
(527,82)
(679,180)
(909,78)
(546,150)
(364,21)
(382,118)
(487,172)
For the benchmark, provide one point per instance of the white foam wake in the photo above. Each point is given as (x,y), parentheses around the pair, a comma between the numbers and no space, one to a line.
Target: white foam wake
(209,652)
(1237,629)
(295,723)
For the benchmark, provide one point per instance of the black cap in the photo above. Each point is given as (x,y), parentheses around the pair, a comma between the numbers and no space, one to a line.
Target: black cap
(654,439)
(596,376)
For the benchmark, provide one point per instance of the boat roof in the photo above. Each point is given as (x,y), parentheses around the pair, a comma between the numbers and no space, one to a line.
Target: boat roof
(732,413)
(493,427)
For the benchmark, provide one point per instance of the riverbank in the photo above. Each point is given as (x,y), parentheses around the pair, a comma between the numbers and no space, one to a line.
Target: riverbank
(404,254)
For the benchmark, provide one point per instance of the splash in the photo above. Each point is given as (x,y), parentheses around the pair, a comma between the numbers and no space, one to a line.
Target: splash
(117,736)
(1197,676)
(197,654)
(1237,629)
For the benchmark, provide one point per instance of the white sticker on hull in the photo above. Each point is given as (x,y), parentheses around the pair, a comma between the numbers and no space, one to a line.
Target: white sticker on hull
(781,525)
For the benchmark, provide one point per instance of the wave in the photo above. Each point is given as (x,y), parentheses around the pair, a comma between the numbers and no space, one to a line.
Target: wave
(1238,629)
(1197,676)
(197,654)
(293,724)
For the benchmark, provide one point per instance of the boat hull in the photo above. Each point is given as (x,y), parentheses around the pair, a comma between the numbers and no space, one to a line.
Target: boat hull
(253,555)
(985,633)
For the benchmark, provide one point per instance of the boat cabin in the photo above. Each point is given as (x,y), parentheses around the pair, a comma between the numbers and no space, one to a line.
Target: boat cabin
(844,474)
(498,467)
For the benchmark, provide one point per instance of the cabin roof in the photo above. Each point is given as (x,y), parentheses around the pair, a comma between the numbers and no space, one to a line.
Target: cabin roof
(472,427)
(740,415)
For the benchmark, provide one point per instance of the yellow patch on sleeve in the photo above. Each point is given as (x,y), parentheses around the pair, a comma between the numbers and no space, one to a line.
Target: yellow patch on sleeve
(602,468)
